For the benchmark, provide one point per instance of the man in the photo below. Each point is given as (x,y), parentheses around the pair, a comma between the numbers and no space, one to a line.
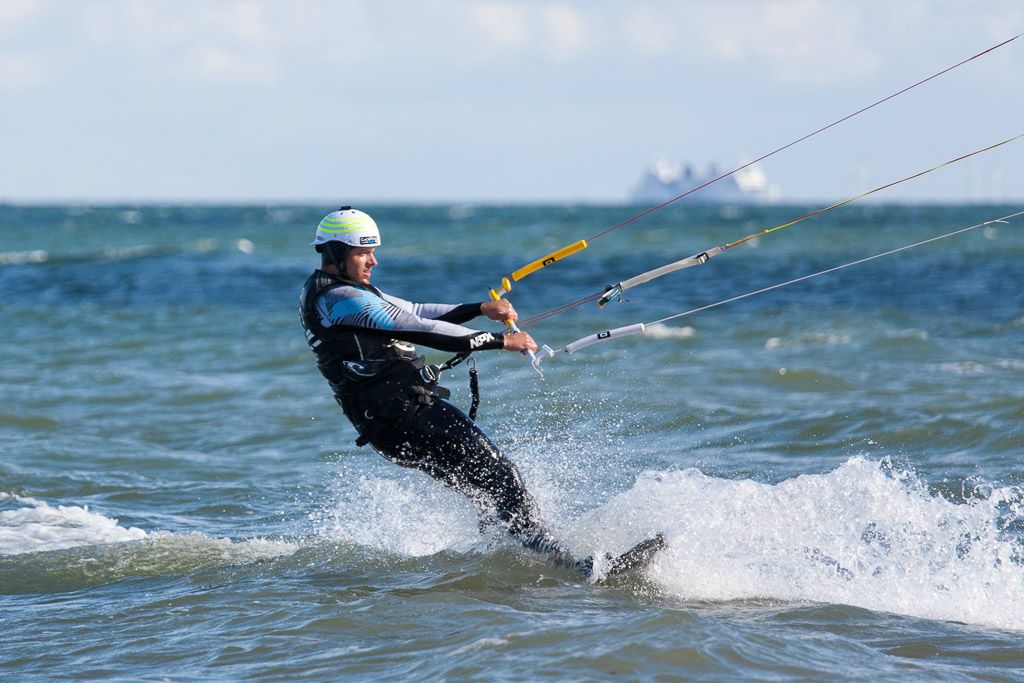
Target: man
(363,340)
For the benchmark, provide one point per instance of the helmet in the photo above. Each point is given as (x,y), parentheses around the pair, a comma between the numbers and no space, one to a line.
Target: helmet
(348,226)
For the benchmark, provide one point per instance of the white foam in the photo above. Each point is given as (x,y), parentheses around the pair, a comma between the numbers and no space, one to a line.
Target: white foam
(128,253)
(964,368)
(976,368)
(36,526)
(17,257)
(412,516)
(130,217)
(167,553)
(808,339)
(860,535)
(480,644)
(660,331)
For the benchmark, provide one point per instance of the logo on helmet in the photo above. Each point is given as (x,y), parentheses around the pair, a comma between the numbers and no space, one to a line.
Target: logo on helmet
(365,240)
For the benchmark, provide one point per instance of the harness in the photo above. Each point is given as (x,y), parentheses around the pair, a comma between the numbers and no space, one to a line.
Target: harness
(371,376)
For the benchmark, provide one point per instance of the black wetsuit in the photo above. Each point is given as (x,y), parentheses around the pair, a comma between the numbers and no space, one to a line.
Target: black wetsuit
(363,340)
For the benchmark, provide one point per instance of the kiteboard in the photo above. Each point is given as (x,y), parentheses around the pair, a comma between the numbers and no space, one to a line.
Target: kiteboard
(637,557)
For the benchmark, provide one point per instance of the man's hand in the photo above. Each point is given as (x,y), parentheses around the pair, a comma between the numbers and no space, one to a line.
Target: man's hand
(502,310)
(520,341)
(499,310)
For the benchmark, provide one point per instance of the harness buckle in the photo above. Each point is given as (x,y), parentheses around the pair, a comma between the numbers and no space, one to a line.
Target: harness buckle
(430,374)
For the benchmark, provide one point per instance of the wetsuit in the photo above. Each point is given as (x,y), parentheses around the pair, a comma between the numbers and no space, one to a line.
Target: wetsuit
(363,340)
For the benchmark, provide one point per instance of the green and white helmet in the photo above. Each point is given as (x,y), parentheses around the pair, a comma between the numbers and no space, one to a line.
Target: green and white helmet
(348,226)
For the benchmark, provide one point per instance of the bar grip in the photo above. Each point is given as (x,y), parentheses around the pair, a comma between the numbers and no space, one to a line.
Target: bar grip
(549,259)
(638,328)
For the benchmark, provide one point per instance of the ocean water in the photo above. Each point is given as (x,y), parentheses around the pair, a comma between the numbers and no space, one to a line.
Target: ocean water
(838,465)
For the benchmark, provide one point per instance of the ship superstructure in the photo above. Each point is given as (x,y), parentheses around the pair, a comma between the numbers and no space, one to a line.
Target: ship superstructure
(664,181)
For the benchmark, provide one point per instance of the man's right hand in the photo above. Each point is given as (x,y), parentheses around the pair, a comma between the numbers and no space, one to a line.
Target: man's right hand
(520,341)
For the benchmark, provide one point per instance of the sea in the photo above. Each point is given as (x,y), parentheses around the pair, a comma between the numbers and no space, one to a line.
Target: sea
(837,465)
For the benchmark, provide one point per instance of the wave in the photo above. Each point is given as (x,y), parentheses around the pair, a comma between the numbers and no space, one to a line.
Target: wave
(864,535)
(103,255)
(867,535)
(113,254)
(15,258)
(47,549)
(38,527)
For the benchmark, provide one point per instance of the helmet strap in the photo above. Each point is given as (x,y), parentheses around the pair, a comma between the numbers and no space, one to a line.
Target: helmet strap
(338,252)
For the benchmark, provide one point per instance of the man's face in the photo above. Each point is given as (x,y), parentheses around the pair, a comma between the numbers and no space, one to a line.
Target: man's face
(359,264)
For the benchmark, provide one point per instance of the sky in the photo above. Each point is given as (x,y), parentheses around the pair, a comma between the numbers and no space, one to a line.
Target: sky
(355,101)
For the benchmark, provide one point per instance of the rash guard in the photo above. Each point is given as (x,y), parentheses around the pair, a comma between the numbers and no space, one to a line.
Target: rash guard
(363,308)
(360,334)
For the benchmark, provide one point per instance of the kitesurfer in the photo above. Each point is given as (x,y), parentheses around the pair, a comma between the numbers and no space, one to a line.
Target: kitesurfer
(364,344)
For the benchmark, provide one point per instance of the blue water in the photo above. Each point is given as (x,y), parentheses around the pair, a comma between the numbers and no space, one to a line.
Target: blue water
(837,465)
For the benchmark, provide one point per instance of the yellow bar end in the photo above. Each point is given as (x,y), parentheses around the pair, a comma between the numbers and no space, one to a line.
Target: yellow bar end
(549,259)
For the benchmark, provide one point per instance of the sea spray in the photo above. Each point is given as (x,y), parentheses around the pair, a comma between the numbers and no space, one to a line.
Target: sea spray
(54,549)
(864,535)
(30,525)
(407,514)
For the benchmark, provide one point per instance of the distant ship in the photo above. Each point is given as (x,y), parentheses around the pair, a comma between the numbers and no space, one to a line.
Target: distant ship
(664,181)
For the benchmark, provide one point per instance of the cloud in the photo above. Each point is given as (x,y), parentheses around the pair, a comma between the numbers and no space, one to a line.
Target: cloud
(518,30)
(155,25)
(223,42)
(501,26)
(244,42)
(20,71)
(649,34)
(14,14)
(806,42)
(565,34)
(473,80)
(792,41)
(216,63)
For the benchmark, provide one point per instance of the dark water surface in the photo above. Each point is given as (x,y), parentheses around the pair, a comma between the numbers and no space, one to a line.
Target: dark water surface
(837,465)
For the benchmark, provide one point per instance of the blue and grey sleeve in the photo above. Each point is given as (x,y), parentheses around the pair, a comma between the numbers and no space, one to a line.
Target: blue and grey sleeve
(355,309)
(449,313)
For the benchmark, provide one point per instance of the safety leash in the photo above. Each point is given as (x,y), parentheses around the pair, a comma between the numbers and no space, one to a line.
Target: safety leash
(434,375)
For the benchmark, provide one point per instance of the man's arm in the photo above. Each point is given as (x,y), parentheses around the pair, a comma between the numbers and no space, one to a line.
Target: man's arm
(499,309)
(456,314)
(351,308)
